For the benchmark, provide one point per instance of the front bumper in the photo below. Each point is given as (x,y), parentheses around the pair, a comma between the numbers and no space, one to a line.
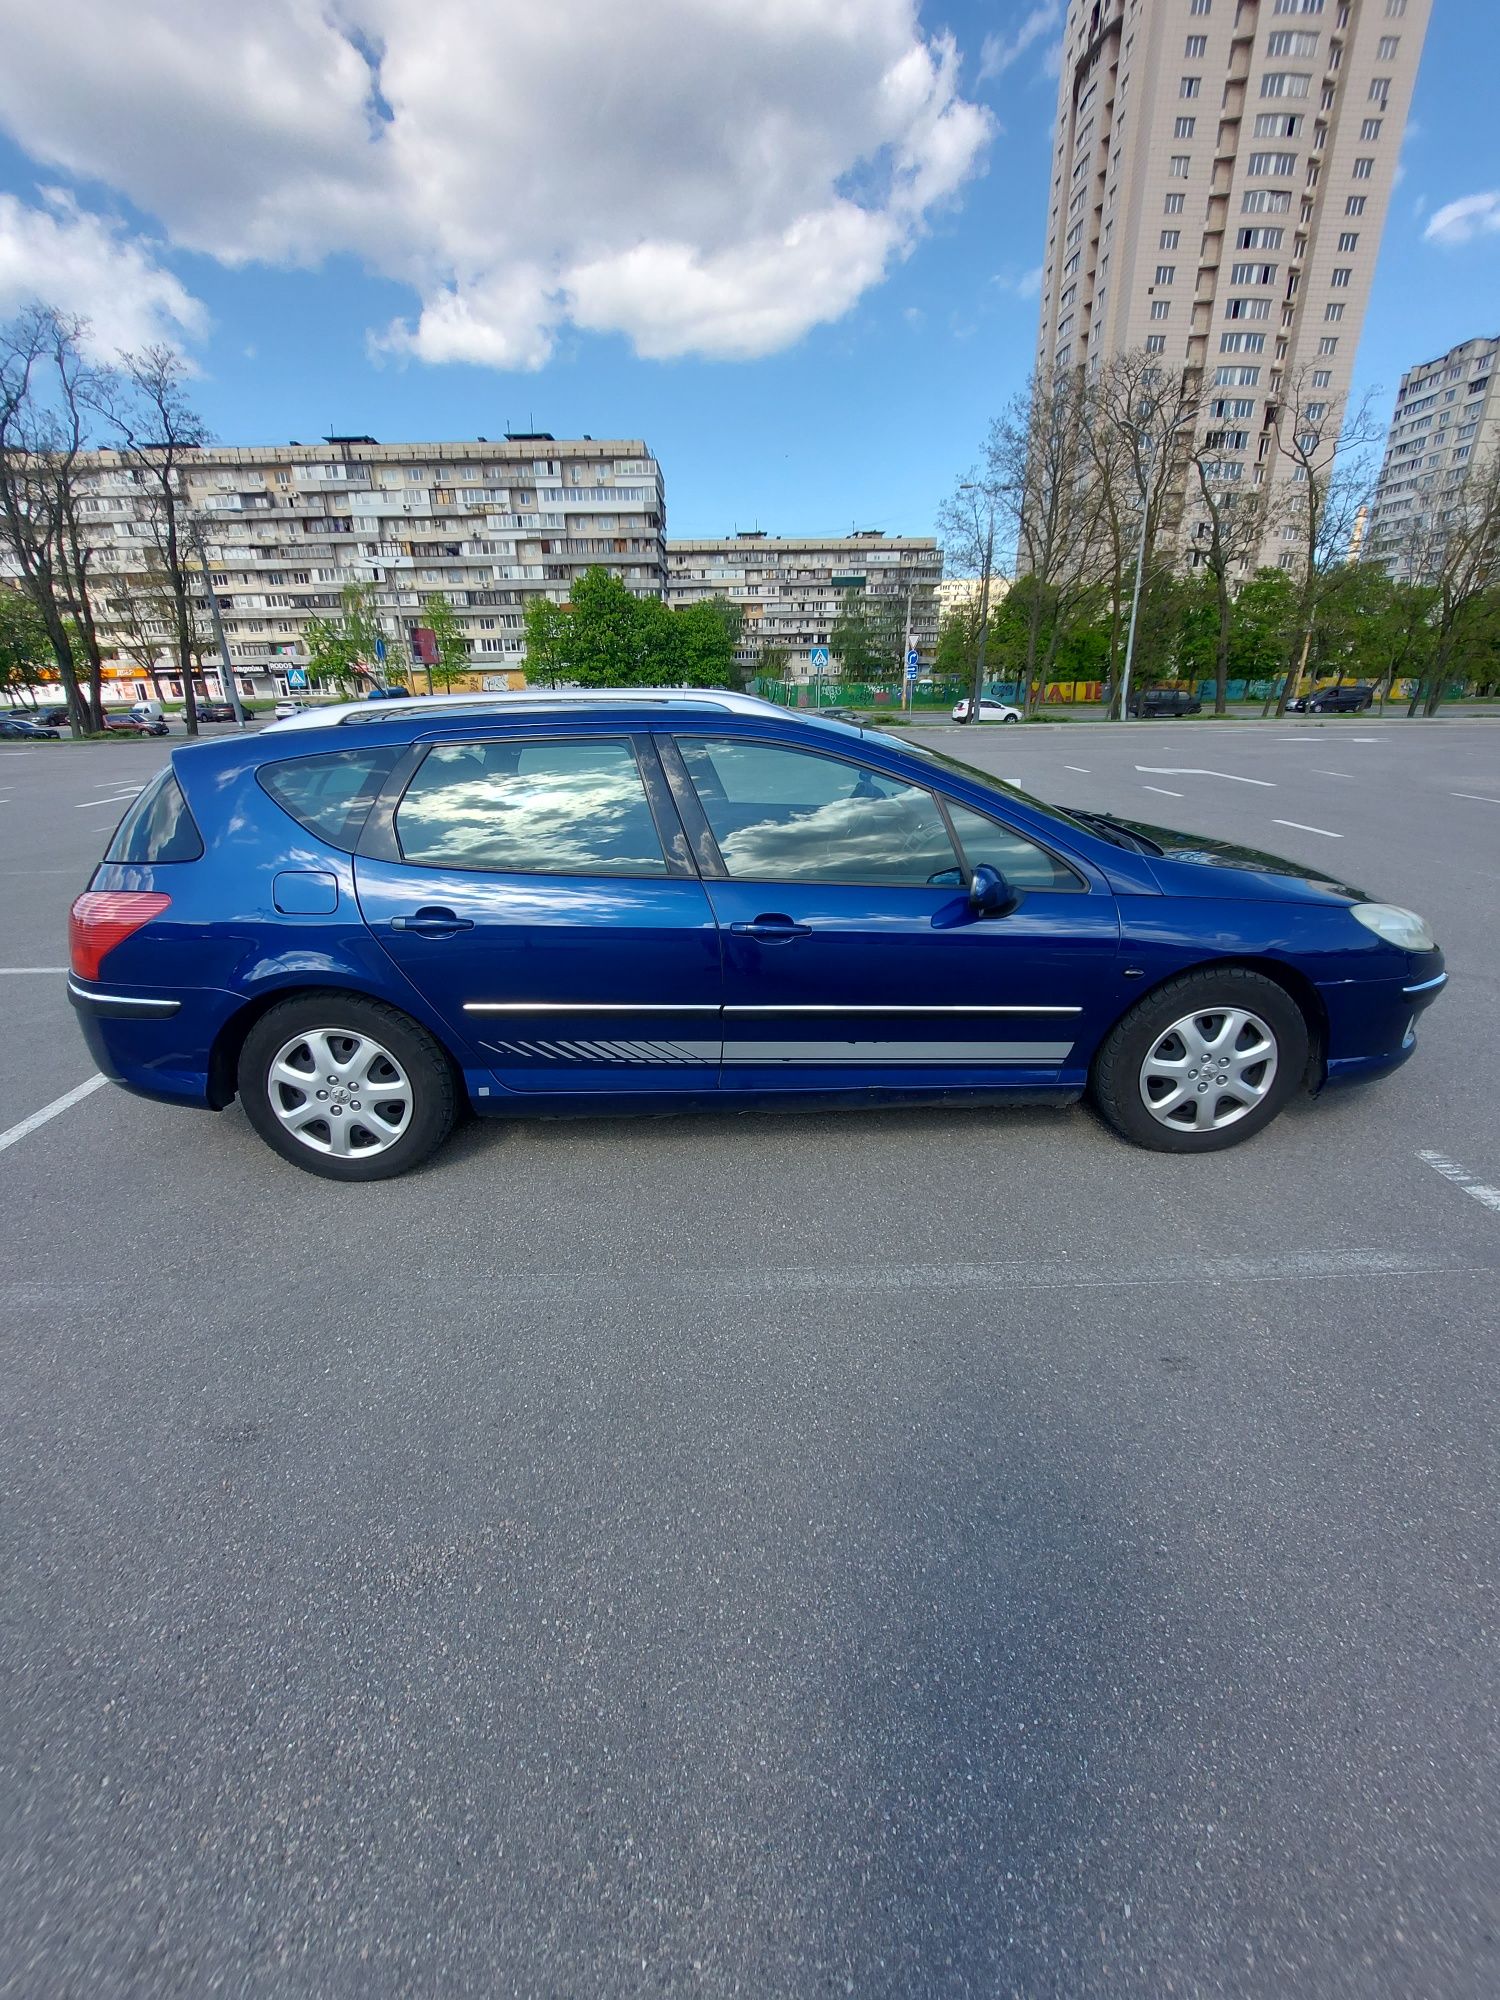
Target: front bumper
(1372,1024)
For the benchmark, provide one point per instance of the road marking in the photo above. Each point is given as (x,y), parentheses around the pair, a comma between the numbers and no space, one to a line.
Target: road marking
(1483,797)
(21,971)
(1081,769)
(1319,772)
(1163,790)
(1196,771)
(1303,827)
(1362,739)
(114,799)
(59,1104)
(1462,1178)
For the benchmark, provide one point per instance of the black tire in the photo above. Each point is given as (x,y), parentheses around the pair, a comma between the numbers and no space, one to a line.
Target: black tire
(1116,1080)
(433,1087)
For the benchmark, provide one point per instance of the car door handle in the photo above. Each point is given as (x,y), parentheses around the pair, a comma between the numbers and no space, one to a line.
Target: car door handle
(773,929)
(433,923)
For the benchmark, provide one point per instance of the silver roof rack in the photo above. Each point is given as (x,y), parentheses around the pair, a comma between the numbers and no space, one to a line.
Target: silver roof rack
(330,715)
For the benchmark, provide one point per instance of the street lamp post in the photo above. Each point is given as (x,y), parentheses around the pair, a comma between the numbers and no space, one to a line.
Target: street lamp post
(230,686)
(977,691)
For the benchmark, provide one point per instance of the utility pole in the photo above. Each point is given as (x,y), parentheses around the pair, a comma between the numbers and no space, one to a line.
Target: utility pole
(1145,414)
(231,688)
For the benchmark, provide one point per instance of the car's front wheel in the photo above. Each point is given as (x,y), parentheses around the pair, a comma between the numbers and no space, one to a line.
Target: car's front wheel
(345,1087)
(1204,1062)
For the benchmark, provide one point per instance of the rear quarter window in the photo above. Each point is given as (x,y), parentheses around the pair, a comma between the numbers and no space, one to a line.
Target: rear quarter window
(331,793)
(158,827)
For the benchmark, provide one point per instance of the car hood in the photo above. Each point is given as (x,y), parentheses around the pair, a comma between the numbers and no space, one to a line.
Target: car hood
(1257,873)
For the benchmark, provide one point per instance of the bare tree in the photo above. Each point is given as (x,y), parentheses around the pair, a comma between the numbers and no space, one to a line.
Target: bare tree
(40,442)
(1036,456)
(1323,445)
(1140,419)
(1456,553)
(1226,539)
(966,522)
(158,430)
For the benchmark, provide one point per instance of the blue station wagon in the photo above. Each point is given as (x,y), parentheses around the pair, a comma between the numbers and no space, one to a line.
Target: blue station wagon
(363,921)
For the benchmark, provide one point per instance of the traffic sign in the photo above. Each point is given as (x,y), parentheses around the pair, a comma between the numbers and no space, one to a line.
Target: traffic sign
(912,670)
(296,677)
(818,657)
(913,660)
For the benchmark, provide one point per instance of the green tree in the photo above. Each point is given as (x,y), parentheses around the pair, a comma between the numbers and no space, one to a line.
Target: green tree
(606,636)
(452,659)
(1265,618)
(24,649)
(958,644)
(344,649)
(867,637)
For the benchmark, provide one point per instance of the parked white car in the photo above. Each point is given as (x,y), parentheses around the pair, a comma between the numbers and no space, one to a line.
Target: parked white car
(990,710)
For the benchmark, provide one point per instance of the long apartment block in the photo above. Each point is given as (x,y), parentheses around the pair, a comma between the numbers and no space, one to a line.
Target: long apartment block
(1221,172)
(489,524)
(791,590)
(1446,424)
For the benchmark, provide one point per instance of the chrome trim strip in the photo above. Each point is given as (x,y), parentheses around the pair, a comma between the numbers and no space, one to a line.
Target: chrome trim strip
(85,996)
(1427,985)
(895,1055)
(827,1009)
(713,1007)
(591,1006)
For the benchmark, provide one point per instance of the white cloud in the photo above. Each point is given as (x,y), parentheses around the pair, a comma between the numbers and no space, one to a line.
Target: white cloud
(701,176)
(1024,284)
(1000,51)
(86,264)
(1461,221)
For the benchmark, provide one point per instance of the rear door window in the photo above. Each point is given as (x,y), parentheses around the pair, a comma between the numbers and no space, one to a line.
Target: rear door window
(568,807)
(331,794)
(158,827)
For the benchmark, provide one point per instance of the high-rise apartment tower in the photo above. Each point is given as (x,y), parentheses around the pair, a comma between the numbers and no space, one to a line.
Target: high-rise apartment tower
(1446,426)
(1221,171)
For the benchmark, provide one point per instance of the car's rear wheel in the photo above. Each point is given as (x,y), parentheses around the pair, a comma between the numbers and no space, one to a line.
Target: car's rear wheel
(1205,1062)
(345,1087)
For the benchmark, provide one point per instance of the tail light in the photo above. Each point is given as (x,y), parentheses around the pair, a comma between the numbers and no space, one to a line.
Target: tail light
(103,918)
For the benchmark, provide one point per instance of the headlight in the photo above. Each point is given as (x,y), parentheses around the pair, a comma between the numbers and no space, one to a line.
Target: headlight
(1403,928)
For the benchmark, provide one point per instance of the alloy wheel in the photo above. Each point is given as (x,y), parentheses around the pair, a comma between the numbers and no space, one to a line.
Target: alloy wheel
(339,1092)
(1209,1070)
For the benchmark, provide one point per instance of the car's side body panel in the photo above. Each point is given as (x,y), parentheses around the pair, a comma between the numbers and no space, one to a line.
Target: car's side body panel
(558,998)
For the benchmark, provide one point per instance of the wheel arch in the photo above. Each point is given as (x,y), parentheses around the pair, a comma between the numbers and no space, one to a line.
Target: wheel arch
(224,1055)
(1296,985)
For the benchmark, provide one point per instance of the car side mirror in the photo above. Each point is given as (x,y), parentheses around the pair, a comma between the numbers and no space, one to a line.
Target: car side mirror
(990,895)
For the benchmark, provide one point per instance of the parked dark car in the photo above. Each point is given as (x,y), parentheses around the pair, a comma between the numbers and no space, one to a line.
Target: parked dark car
(1165,701)
(135,725)
(387,694)
(1340,700)
(53,717)
(361,922)
(215,711)
(18,726)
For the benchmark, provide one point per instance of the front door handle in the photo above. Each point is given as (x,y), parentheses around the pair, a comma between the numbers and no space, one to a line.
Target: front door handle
(433,923)
(771,929)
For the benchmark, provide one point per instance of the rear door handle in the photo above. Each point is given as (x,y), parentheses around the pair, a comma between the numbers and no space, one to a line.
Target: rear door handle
(433,923)
(771,929)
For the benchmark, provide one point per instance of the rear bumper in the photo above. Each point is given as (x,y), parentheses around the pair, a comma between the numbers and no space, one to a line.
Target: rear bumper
(156,1044)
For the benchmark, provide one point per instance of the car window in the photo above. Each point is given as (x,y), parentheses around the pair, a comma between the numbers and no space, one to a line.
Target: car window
(782,815)
(553,808)
(158,827)
(331,794)
(1019,860)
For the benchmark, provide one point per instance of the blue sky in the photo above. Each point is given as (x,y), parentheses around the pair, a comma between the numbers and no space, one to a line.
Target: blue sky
(782,381)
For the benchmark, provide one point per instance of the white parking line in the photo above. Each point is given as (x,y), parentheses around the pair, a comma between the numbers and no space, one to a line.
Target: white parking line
(1163,790)
(1081,769)
(1462,1178)
(64,1103)
(1303,827)
(1483,797)
(1319,772)
(114,799)
(23,971)
(1197,771)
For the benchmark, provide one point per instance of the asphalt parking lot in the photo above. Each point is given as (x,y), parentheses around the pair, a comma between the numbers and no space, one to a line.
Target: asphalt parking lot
(935,1553)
